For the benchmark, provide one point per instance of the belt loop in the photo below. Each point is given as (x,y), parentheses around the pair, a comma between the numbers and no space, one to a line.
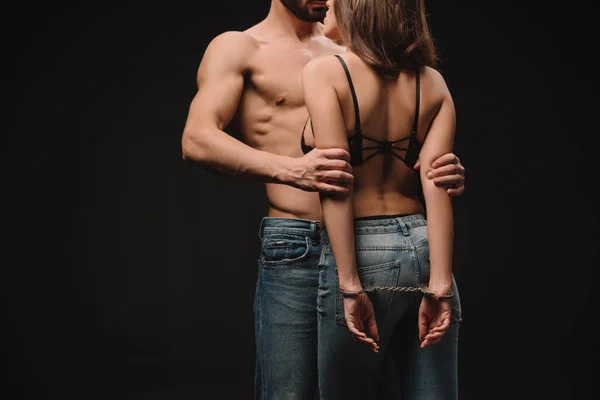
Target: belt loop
(403,226)
(261,228)
(315,231)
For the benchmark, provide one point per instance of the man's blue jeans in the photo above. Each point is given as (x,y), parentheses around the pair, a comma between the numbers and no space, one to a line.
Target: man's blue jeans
(285,310)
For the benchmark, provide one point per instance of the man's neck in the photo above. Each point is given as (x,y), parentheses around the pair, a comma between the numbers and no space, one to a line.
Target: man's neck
(282,19)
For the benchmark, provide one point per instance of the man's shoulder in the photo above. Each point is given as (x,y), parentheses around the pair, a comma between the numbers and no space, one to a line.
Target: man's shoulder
(330,45)
(233,40)
(232,48)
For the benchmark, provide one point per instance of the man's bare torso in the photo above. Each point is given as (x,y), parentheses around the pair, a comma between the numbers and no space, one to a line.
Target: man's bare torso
(271,113)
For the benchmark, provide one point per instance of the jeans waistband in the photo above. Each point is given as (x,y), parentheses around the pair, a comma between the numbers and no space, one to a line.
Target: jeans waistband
(293,226)
(410,220)
(385,224)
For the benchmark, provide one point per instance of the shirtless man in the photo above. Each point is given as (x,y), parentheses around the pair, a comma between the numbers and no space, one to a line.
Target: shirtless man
(251,82)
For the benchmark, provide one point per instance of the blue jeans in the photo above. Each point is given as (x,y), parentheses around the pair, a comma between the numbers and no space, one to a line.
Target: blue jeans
(390,252)
(285,310)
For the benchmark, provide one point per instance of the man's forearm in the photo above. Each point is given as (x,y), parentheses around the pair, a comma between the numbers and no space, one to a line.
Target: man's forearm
(228,155)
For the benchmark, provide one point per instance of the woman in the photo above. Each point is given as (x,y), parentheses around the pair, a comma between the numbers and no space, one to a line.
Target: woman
(384,102)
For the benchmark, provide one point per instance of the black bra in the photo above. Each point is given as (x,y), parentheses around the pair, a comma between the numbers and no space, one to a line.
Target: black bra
(355,142)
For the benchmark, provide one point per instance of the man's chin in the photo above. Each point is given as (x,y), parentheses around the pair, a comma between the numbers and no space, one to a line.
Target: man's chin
(312,20)
(308,15)
(317,14)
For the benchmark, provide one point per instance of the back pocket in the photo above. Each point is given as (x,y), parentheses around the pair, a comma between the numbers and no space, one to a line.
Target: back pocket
(384,275)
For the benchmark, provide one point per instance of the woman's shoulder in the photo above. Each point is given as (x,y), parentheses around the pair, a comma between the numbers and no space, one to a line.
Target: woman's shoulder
(433,79)
(323,70)
(321,65)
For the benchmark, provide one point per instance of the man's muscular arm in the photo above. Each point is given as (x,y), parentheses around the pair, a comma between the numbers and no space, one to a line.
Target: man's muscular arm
(220,87)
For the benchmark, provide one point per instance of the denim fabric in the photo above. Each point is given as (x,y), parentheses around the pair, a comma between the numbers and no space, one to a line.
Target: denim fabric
(285,310)
(390,252)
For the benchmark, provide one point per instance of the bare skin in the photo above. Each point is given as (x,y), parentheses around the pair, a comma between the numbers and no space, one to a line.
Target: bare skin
(250,82)
(384,185)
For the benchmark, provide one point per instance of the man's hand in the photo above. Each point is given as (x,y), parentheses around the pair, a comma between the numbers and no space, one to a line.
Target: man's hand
(326,170)
(447,172)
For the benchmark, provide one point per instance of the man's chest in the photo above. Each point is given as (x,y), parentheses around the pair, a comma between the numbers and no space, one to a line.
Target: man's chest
(277,72)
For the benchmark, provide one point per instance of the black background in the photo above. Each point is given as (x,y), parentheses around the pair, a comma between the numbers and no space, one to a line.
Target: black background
(128,273)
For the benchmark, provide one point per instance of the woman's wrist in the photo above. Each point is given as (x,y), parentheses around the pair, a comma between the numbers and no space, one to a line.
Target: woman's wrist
(350,283)
(441,287)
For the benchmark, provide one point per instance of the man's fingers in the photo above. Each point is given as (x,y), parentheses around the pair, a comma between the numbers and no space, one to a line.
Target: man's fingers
(450,169)
(445,159)
(455,192)
(417,166)
(337,153)
(336,176)
(449,180)
(340,165)
(331,189)
(448,173)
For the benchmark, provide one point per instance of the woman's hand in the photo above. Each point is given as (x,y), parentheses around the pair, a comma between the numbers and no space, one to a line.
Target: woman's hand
(434,319)
(360,317)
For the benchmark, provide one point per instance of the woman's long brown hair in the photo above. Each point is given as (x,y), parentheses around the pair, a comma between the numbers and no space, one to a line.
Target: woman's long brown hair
(389,35)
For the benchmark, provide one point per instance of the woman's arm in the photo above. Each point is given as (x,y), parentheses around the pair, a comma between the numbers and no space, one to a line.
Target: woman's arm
(440,222)
(330,132)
